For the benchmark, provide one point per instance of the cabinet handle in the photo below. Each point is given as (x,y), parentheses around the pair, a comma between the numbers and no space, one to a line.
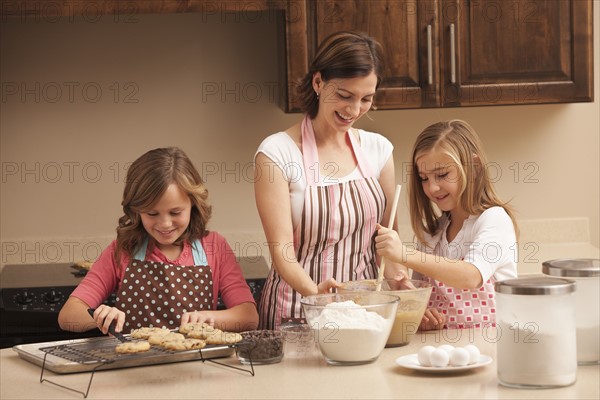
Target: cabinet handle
(429,56)
(452,56)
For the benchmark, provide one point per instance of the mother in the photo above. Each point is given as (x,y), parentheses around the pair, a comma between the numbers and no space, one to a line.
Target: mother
(321,187)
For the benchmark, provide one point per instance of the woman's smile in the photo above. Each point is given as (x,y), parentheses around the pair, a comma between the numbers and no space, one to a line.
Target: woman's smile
(348,119)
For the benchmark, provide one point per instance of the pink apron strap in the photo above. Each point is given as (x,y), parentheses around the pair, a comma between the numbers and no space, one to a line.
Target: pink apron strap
(310,155)
(363,163)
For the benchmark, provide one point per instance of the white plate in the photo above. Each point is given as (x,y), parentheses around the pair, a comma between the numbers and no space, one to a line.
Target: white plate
(411,361)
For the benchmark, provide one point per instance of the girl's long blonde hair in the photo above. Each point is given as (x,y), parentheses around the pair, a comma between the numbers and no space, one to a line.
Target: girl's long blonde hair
(148,178)
(458,140)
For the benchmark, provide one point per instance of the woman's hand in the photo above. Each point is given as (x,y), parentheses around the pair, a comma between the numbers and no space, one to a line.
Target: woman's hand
(198,317)
(105,315)
(389,245)
(432,319)
(327,286)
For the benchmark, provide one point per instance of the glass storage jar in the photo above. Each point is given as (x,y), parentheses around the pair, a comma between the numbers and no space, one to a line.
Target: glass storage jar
(586,273)
(536,332)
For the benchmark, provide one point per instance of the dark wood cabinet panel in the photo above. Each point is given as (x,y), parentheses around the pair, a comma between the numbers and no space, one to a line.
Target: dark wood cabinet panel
(516,52)
(439,53)
(401,28)
(446,53)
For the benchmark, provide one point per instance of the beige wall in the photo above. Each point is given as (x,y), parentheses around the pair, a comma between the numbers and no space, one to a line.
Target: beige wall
(130,86)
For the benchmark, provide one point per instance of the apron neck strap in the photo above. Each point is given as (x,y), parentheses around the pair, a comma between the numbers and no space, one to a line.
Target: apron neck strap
(197,252)
(310,154)
(363,163)
(140,255)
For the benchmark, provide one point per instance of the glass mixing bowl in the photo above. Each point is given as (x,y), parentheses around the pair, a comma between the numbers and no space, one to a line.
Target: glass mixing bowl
(350,328)
(412,306)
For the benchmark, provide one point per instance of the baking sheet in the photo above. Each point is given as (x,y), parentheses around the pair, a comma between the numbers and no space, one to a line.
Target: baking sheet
(82,355)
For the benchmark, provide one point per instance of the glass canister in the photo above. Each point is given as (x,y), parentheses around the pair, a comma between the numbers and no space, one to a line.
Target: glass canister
(586,273)
(536,332)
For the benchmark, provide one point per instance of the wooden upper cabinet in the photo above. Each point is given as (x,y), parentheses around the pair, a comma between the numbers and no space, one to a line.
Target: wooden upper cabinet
(516,52)
(401,28)
(445,53)
(438,53)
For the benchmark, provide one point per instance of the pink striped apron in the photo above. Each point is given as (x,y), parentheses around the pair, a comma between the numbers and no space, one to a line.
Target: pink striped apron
(335,236)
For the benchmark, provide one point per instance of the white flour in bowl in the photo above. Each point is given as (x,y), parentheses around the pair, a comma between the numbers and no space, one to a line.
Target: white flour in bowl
(348,333)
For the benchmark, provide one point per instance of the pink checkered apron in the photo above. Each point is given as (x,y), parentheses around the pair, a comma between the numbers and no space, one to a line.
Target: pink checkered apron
(464,308)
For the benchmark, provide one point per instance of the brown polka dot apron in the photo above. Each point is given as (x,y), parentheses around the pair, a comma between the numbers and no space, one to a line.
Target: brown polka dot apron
(156,294)
(335,236)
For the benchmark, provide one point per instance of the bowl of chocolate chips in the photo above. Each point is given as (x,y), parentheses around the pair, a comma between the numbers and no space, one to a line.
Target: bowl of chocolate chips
(261,347)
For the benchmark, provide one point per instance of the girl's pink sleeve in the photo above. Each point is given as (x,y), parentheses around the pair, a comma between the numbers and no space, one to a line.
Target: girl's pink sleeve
(101,281)
(232,286)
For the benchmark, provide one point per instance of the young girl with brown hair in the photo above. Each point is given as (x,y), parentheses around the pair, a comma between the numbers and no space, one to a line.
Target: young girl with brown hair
(166,268)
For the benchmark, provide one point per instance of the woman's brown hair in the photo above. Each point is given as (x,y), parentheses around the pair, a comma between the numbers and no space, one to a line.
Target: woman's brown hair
(341,55)
(148,178)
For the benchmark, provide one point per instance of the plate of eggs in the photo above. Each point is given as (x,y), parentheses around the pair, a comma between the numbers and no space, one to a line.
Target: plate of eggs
(445,358)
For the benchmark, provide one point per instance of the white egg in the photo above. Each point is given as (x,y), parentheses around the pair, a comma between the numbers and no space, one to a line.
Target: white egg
(439,358)
(424,355)
(474,353)
(447,348)
(459,357)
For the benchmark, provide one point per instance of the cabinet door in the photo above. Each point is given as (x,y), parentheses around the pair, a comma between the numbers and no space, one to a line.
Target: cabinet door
(516,51)
(411,76)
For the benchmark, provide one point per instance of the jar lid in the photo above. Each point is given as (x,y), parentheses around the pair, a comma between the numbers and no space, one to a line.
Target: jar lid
(538,285)
(577,267)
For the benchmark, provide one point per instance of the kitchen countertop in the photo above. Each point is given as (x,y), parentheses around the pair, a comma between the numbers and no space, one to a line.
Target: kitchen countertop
(301,374)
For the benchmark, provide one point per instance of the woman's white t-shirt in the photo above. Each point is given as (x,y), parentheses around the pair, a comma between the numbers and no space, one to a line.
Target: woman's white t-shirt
(286,155)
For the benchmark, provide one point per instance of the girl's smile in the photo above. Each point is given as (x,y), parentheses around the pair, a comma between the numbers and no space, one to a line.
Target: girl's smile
(440,179)
(440,198)
(168,219)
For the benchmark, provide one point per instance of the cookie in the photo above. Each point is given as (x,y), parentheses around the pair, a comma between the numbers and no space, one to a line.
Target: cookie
(133,347)
(202,327)
(204,334)
(224,338)
(182,345)
(146,332)
(160,338)
(83,265)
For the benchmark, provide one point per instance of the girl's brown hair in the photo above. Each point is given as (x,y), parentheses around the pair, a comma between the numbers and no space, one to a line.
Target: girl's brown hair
(148,178)
(458,140)
(341,55)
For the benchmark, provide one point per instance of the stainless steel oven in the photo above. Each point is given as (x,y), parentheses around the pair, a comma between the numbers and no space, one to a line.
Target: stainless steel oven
(31,296)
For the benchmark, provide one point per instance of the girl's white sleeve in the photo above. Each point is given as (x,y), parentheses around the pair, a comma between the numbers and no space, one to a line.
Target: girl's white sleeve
(492,246)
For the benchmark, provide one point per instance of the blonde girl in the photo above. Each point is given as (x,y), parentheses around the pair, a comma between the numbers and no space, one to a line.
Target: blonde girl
(165,267)
(465,234)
